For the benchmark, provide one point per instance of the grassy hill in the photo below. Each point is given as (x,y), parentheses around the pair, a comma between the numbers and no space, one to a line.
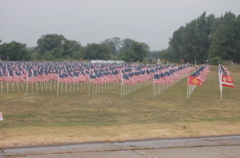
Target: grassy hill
(45,118)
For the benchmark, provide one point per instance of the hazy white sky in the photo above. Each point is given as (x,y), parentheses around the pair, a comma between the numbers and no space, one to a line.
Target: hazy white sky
(93,21)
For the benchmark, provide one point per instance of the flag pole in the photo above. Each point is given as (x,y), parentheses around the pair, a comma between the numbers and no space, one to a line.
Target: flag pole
(13,89)
(220,80)
(58,84)
(27,84)
(61,87)
(89,93)
(66,86)
(37,87)
(187,87)
(32,87)
(7,87)
(1,87)
(153,89)
(122,86)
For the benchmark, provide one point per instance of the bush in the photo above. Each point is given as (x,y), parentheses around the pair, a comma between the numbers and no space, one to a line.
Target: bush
(48,56)
(216,61)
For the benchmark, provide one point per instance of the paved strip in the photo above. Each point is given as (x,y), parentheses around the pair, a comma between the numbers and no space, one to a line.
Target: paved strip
(221,147)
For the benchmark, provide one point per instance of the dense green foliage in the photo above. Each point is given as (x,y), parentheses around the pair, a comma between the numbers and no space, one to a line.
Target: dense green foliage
(207,37)
(203,38)
(96,51)
(225,40)
(14,51)
(53,46)
(216,61)
(136,52)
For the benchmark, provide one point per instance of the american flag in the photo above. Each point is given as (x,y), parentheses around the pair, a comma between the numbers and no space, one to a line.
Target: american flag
(74,72)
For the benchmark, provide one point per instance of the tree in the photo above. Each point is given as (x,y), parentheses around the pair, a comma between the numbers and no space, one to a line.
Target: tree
(140,50)
(192,41)
(115,44)
(14,51)
(70,47)
(55,53)
(48,56)
(225,41)
(126,45)
(50,41)
(175,43)
(128,56)
(96,51)
(136,51)
(207,37)
(57,46)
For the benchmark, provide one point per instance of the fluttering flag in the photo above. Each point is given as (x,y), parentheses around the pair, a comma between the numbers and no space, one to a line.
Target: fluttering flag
(227,81)
(224,78)
(194,80)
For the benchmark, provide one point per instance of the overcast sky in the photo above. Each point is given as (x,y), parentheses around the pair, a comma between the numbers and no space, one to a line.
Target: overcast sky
(93,21)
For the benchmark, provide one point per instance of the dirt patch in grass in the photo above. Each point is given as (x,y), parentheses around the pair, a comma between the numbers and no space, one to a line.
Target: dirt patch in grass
(35,136)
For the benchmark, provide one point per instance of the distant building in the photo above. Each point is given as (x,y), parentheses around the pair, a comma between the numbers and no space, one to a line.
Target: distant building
(106,61)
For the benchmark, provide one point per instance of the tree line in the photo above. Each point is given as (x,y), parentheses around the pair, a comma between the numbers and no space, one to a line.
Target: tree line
(54,47)
(205,38)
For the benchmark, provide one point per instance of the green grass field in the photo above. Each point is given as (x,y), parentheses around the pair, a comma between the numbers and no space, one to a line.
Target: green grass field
(47,110)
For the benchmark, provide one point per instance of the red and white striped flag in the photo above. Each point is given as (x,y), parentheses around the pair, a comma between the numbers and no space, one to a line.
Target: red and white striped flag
(227,81)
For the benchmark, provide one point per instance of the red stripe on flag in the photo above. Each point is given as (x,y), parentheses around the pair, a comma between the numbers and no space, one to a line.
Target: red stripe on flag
(227,81)
(228,85)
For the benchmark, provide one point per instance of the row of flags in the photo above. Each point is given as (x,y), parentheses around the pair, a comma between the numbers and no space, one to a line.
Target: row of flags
(75,72)
(224,77)
(100,74)
(225,80)
(172,74)
(199,76)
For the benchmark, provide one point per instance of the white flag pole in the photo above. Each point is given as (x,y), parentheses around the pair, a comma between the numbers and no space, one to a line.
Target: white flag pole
(1,87)
(153,88)
(187,87)
(27,85)
(89,90)
(1,116)
(58,84)
(220,80)
(122,87)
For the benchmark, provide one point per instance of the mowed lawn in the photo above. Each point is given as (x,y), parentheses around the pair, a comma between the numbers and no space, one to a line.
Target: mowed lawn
(45,118)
